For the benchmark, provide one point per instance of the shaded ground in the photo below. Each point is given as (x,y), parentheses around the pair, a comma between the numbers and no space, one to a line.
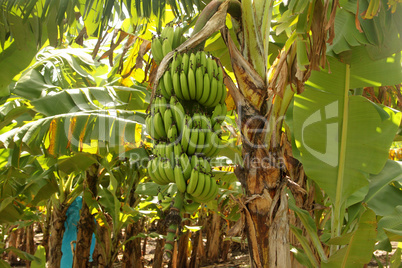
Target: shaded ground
(236,259)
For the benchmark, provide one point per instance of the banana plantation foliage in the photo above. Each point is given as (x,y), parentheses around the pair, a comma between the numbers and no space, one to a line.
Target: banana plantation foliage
(179,133)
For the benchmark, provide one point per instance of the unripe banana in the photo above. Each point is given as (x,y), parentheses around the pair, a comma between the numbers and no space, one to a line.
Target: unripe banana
(168,83)
(224,111)
(220,74)
(185,165)
(194,162)
(206,89)
(161,169)
(177,85)
(210,68)
(212,93)
(199,80)
(152,174)
(178,151)
(192,184)
(200,185)
(178,113)
(172,133)
(191,208)
(168,33)
(176,64)
(156,49)
(162,105)
(169,149)
(184,63)
(185,139)
(216,114)
(168,118)
(176,37)
(198,59)
(193,142)
(218,97)
(203,58)
(162,89)
(207,166)
(184,86)
(166,47)
(207,187)
(191,84)
(192,62)
(155,172)
(201,140)
(179,178)
(158,125)
(213,192)
(169,170)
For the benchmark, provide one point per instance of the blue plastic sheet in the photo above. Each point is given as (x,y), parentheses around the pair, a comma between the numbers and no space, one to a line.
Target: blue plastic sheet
(70,234)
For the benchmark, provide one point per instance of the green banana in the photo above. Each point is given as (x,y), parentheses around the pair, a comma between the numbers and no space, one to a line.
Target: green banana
(224,94)
(169,152)
(169,171)
(207,187)
(192,184)
(200,141)
(168,118)
(200,185)
(176,37)
(218,97)
(168,33)
(199,80)
(172,133)
(208,142)
(192,145)
(210,68)
(166,47)
(191,84)
(184,63)
(213,192)
(185,139)
(192,207)
(184,86)
(162,89)
(176,64)
(194,162)
(152,174)
(176,85)
(178,151)
(156,49)
(158,125)
(161,170)
(179,179)
(206,89)
(168,83)
(216,114)
(203,61)
(212,93)
(162,105)
(207,166)
(185,165)
(220,74)
(192,62)
(178,112)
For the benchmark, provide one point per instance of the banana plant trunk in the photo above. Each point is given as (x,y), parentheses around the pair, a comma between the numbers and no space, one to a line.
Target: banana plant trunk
(56,235)
(86,224)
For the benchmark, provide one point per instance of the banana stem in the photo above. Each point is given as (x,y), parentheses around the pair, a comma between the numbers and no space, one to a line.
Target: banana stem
(234,9)
(174,217)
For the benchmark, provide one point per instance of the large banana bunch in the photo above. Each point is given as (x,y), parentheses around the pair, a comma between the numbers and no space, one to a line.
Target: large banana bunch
(185,123)
(169,40)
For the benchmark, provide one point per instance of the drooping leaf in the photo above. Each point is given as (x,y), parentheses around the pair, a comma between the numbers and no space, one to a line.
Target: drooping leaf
(359,250)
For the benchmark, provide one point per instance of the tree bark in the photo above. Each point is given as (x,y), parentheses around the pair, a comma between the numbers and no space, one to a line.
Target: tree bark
(56,236)
(213,236)
(132,256)
(46,229)
(182,252)
(29,242)
(160,244)
(86,224)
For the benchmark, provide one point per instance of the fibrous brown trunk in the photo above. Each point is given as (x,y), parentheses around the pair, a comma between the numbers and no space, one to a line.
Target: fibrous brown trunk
(213,235)
(86,224)
(29,242)
(56,236)
(132,256)
(46,229)
(160,244)
(182,256)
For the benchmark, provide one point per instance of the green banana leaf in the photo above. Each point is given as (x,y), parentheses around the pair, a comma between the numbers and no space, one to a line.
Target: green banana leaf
(340,160)
(383,196)
(360,245)
(390,229)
